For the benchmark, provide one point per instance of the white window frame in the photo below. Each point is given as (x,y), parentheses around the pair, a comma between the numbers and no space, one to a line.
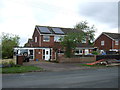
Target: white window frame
(79,52)
(116,42)
(102,43)
(47,37)
(35,39)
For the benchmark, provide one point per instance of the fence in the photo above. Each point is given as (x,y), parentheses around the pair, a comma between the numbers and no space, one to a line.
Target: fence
(99,57)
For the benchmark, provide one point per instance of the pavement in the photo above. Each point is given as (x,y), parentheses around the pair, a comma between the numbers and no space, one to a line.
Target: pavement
(89,78)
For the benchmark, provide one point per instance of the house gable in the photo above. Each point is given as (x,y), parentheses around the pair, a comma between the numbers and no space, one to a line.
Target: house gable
(36,35)
(107,42)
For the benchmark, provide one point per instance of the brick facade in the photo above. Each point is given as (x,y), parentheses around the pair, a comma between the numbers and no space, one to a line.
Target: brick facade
(38,54)
(47,44)
(107,43)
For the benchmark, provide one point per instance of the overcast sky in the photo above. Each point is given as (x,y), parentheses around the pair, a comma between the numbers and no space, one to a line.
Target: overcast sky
(20,16)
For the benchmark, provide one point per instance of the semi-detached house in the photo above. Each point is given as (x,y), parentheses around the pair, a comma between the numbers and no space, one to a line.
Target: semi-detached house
(45,43)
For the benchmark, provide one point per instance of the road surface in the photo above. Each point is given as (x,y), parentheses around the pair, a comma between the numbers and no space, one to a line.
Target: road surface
(90,78)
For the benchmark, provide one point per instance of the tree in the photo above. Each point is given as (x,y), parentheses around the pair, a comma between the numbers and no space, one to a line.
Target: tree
(70,41)
(9,41)
(87,30)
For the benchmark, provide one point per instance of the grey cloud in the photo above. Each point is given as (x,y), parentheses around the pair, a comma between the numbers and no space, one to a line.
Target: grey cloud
(104,12)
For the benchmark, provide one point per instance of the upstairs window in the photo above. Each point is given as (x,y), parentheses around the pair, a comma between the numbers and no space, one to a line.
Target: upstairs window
(57,38)
(84,41)
(116,42)
(46,38)
(102,43)
(35,39)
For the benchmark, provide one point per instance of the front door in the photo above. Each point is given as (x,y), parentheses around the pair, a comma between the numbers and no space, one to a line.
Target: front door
(47,54)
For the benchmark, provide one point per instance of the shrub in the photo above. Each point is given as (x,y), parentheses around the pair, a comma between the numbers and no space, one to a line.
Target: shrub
(95,53)
(5,64)
(11,63)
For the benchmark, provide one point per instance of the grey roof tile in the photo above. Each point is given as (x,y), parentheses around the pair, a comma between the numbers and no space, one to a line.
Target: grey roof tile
(113,35)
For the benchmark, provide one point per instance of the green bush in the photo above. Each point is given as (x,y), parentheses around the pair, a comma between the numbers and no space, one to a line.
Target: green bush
(95,53)
(5,64)
(11,63)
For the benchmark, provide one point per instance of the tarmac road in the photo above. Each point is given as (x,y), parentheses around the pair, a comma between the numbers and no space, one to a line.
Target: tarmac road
(90,78)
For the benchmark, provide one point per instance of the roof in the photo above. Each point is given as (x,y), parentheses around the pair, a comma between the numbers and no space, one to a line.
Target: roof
(64,30)
(30,39)
(112,35)
(84,45)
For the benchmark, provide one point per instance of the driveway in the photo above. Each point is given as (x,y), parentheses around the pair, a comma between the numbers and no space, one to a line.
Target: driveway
(50,66)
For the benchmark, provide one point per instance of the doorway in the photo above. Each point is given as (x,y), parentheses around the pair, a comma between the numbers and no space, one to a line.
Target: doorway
(46,54)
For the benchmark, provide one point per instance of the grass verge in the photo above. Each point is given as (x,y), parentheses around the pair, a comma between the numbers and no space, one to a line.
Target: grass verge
(20,69)
(92,65)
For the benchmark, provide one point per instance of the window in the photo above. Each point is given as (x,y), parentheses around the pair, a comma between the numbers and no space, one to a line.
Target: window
(35,39)
(46,52)
(84,41)
(46,38)
(78,51)
(43,53)
(102,43)
(57,38)
(60,51)
(116,42)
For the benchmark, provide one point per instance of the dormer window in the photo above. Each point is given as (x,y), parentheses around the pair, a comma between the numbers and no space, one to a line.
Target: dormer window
(46,38)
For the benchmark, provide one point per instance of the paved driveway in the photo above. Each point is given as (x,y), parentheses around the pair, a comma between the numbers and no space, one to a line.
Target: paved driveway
(50,66)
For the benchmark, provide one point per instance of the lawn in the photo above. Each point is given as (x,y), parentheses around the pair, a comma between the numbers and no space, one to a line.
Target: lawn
(20,69)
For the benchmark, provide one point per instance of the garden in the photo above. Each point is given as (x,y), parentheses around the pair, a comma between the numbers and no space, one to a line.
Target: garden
(9,66)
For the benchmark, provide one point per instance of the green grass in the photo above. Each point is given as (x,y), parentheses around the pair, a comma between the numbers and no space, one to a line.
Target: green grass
(21,69)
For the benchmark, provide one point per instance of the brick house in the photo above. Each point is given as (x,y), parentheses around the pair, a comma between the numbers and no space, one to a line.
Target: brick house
(45,43)
(108,42)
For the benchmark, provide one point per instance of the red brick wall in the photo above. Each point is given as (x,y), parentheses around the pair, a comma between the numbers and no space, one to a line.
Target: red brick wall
(53,54)
(116,46)
(62,59)
(47,44)
(37,54)
(107,44)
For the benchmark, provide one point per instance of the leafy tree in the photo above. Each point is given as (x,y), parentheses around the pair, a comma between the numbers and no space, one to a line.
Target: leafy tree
(87,30)
(70,41)
(9,41)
